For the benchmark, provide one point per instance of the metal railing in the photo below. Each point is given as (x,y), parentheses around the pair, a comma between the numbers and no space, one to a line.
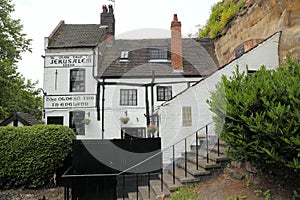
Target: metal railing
(129,171)
(173,147)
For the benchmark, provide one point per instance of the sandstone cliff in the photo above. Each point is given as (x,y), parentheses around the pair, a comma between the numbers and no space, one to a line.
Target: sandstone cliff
(257,21)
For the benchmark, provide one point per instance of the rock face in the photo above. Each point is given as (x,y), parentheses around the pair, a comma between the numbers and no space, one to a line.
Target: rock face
(257,21)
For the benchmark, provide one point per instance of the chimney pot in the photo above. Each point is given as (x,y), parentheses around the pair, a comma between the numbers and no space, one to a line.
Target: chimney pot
(175,18)
(111,9)
(104,9)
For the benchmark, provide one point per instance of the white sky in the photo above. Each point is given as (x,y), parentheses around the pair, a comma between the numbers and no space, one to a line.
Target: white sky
(40,17)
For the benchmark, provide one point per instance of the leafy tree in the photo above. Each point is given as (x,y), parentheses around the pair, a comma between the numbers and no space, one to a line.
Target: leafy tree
(258,116)
(15,94)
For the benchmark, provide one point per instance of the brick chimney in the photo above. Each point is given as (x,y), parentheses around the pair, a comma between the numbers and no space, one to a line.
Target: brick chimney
(107,18)
(176,45)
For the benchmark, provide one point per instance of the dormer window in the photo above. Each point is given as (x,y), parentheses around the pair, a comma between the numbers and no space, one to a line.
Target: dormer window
(159,54)
(124,56)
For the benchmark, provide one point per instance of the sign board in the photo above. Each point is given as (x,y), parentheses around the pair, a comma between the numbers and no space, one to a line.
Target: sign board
(68,61)
(70,101)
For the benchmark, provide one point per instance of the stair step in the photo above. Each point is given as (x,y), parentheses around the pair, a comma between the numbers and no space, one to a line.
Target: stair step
(221,158)
(180,175)
(192,169)
(144,193)
(222,149)
(202,162)
(156,187)
(168,181)
(132,196)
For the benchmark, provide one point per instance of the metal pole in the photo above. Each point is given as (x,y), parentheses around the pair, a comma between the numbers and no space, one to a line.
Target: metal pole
(103,100)
(185,158)
(206,132)
(149,185)
(197,153)
(218,146)
(161,179)
(137,186)
(173,165)
(147,106)
(123,187)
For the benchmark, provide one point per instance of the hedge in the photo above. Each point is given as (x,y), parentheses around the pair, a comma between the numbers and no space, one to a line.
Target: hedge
(30,155)
(258,116)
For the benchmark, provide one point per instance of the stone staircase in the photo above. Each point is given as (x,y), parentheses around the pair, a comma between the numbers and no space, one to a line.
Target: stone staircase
(206,170)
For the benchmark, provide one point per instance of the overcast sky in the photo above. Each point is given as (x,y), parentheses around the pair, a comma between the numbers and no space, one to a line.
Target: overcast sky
(40,17)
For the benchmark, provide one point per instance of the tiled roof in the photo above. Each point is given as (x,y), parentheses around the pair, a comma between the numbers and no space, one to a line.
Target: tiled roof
(76,35)
(198,59)
(25,118)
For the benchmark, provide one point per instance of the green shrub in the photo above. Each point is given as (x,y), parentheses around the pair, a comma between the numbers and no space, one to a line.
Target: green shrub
(221,14)
(30,155)
(258,116)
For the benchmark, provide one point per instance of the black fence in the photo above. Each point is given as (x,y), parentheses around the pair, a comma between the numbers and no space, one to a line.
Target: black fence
(97,165)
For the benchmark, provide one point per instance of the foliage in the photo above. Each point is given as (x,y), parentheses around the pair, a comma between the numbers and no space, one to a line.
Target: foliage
(185,193)
(16,94)
(221,14)
(30,155)
(124,120)
(258,116)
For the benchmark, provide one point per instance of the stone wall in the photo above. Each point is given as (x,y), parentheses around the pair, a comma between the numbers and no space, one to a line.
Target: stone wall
(257,21)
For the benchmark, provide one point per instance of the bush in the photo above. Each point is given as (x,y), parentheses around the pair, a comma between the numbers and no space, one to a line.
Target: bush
(221,14)
(258,116)
(30,155)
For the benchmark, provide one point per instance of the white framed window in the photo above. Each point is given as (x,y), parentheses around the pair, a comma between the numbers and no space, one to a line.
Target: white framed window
(186,116)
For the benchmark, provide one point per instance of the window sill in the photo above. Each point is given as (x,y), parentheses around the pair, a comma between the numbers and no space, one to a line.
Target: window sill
(160,61)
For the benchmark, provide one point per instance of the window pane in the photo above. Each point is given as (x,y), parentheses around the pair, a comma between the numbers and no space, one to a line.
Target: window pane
(77,122)
(159,53)
(77,80)
(186,116)
(128,97)
(164,93)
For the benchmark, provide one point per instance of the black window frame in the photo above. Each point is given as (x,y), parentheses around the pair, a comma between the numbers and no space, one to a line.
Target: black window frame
(128,97)
(77,124)
(77,79)
(162,93)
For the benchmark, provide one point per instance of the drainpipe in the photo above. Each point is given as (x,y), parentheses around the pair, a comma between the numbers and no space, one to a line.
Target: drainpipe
(103,101)
(147,105)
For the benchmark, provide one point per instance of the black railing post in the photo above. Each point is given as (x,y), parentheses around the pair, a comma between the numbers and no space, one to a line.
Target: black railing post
(197,153)
(162,179)
(218,146)
(149,185)
(185,158)
(123,186)
(206,133)
(137,186)
(65,193)
(157,125)
(173,164)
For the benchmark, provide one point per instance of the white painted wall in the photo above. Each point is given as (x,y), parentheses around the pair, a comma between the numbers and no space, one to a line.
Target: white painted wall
(170,113)
(113,110)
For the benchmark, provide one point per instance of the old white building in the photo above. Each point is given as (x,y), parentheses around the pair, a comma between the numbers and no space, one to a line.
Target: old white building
(91,80)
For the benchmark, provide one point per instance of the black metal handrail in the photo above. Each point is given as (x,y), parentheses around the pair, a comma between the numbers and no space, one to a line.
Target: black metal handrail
(171,147)
(173,160)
